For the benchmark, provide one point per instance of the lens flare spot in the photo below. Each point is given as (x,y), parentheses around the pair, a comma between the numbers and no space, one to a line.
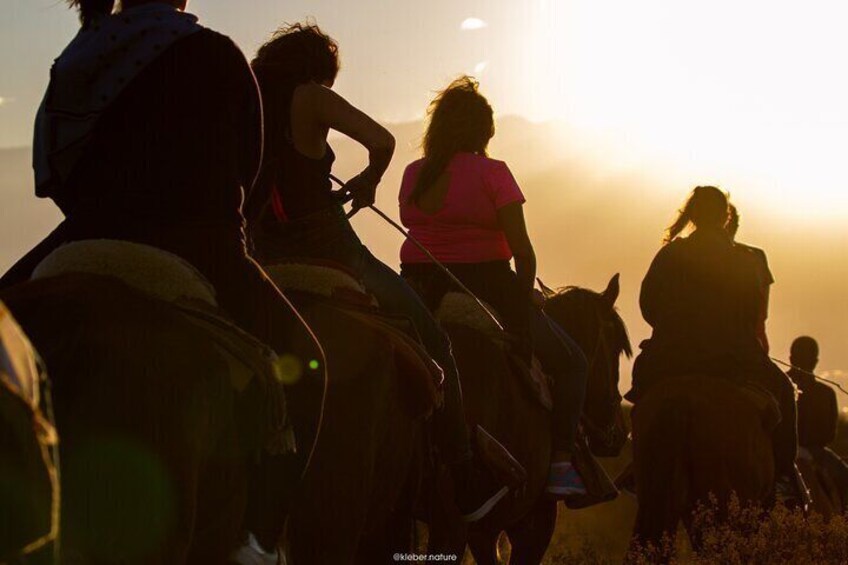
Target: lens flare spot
(289,369)
(472,24)
(130,505)
(314,364)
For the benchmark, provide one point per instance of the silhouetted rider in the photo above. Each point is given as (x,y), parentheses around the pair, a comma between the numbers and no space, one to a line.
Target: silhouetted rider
(703,298)
(818,411)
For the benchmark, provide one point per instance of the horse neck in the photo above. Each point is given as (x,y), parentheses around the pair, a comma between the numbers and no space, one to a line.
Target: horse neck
(586,329)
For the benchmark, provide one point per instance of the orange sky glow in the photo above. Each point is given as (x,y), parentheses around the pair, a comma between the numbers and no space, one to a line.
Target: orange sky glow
(624,107)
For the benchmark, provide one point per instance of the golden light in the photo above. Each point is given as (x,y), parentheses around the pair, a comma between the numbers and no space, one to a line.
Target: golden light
(750,95)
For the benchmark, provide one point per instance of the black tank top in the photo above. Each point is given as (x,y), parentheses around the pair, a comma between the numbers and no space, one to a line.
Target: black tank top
(302,184)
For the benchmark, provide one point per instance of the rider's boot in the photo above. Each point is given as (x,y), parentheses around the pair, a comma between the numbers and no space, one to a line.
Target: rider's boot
(564,481)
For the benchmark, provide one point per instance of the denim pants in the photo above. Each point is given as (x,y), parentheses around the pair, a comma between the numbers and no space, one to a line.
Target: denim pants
(328,235)
(563,359)
(496,284)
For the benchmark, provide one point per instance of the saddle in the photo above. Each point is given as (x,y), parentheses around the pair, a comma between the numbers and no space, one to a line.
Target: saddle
(459,309)
(332,282)
(321,278)
(149,270)
(161,275)
(423,377)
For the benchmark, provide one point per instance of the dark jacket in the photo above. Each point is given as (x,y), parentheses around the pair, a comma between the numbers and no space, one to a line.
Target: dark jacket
(177,149)
(766,279)
(701,296)
(818,412)
(169,161)
(168,164)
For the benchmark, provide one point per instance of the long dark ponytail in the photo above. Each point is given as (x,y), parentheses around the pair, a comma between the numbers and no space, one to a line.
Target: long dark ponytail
(88,9)
(706,205)
(461,120)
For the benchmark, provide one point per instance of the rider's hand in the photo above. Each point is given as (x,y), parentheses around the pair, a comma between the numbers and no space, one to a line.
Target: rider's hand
(364,190)
(537,298)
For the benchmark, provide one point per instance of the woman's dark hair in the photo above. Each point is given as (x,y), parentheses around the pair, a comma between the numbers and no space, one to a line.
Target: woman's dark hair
(461,120)
(90,8)
(707,206)
(732,225)
(296,54)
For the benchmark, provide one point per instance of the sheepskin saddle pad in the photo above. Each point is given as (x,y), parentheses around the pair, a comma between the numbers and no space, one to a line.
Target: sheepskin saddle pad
(167,277)
(320,278)
(150,270)
(460,309)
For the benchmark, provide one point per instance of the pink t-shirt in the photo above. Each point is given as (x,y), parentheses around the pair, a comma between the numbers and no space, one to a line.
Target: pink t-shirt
(465,229)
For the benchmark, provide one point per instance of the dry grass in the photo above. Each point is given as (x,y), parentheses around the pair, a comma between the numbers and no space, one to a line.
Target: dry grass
(746,535)
(600,535)
(749,535)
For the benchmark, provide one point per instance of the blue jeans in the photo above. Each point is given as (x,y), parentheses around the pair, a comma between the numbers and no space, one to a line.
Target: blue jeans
(328,235)
(563,359)
(495,283)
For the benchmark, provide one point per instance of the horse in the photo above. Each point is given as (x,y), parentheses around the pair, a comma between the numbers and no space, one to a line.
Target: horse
(497,399)
(694,438)
(29,489)
(160,404)
(827,494)
(354,502)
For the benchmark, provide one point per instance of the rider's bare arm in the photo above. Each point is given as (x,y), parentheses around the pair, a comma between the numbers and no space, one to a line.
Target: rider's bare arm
(511,221)
(331,111)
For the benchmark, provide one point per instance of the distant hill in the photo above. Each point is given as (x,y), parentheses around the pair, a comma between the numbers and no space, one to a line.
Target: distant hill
(591,214)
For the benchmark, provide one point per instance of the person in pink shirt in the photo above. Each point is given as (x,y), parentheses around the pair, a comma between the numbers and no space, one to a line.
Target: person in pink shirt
(466,209)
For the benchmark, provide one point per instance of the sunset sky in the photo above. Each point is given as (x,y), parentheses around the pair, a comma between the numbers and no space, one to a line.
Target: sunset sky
(748,94)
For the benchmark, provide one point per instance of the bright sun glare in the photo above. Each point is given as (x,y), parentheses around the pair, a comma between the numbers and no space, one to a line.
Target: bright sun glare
(749,94)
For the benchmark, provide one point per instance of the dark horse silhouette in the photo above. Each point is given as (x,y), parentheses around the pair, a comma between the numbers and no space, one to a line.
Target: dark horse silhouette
(354,503)
(826,491)
(154,453)
(496,399)
(29,489)
(696,437)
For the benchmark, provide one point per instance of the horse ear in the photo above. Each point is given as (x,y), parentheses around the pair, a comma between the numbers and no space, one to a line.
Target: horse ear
(612,290)
(546,290)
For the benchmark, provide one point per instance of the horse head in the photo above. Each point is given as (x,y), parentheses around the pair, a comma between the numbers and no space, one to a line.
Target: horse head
(592,320)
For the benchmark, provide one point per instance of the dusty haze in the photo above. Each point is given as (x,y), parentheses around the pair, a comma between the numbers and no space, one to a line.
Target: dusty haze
(591,214)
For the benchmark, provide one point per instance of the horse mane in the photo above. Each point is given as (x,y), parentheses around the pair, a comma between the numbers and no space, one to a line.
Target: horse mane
(591,298)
